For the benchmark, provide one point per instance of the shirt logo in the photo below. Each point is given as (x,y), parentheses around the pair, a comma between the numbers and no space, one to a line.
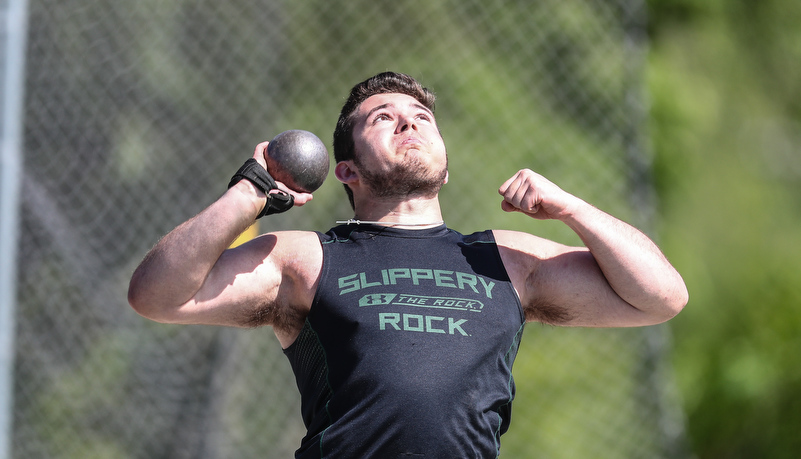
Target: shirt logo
(412,276)
(421,323)
(431,280)
(434,302)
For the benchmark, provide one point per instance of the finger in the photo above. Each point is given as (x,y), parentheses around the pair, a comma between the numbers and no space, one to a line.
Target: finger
(258,153)
(521,192)
(531,199)
(511,195)
(524,195)
(300,198)
(505,186)
(513,187)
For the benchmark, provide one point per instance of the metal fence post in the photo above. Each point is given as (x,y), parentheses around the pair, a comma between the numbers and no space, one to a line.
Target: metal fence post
(13,36)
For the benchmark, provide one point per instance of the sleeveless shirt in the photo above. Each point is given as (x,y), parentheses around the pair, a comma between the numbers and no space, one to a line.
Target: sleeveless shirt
(407,350)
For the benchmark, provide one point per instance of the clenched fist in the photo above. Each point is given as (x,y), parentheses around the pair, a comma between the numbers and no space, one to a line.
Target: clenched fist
(536,196)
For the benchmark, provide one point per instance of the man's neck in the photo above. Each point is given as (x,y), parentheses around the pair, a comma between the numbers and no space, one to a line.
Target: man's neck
(415,212)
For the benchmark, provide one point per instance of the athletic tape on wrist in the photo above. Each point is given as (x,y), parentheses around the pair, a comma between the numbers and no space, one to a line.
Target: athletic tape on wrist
(261,179)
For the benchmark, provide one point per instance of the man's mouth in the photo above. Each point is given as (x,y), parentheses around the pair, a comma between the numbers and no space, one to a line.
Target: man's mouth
(411,141)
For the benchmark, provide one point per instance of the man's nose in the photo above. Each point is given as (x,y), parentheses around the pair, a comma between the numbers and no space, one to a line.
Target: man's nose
(405,123)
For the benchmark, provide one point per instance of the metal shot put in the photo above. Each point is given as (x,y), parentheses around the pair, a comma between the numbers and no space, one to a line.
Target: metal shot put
(299,159)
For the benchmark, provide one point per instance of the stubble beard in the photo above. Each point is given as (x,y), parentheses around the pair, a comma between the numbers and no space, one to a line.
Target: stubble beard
(407,179)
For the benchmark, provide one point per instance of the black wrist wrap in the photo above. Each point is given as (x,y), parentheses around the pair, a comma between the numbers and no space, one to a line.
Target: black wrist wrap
(258,175)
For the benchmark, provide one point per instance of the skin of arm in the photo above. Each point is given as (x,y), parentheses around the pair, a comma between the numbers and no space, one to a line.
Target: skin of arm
(620,279)
(191,277)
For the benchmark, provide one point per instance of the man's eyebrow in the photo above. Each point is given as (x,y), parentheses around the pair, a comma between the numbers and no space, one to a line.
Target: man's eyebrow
(424,108)
(378,107)
(390,104)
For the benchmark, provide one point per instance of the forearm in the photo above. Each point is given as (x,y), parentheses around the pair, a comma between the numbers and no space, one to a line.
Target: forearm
(175,269)
(631,262)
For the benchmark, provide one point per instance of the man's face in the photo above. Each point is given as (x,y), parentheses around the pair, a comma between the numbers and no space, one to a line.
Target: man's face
(398,148)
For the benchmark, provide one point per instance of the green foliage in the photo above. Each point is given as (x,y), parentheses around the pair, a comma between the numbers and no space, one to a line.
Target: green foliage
(724,84)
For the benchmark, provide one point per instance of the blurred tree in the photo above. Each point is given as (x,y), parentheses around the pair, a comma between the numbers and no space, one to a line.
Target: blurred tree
(725,79)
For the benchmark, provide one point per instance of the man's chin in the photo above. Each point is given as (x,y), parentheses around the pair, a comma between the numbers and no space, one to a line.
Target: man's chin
(410,179)
(404,187)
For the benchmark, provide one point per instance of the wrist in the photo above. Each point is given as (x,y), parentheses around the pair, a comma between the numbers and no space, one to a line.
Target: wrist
(574,211)
(250,196)
(262,181)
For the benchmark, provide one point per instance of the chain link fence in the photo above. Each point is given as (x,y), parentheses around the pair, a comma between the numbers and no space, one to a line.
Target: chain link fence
(137,114)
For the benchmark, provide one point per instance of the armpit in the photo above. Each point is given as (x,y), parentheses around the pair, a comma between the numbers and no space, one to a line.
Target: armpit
(281,317)
(263,315)
(547,313)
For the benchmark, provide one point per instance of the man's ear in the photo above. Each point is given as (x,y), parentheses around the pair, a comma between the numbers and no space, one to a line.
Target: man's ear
(345,172)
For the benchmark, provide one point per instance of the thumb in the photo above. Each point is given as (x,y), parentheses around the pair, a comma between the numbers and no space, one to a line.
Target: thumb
(507,206)
(258,154)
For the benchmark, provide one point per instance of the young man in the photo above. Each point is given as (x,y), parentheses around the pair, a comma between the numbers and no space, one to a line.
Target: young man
(402,332)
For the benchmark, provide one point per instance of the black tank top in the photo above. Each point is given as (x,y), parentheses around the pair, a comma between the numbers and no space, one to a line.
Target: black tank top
(408,348)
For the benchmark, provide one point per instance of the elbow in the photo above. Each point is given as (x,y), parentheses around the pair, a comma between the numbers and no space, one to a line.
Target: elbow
(675,302)
(682,299)
(665,305)
(137,293)
(137,301)
(682,295)
(685,296)
(144,304)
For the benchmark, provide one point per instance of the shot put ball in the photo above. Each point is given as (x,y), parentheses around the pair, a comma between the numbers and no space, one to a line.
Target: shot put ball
(299,159)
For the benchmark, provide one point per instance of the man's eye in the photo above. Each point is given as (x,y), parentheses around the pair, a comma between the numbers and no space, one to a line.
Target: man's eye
(381,117)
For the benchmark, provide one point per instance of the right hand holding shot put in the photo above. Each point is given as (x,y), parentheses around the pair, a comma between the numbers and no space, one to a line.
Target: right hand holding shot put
(298,159)
(298,162)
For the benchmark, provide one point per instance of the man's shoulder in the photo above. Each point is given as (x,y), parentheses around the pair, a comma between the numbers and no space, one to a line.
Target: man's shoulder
(295,235)
(519,239)
(522,252)
(289,247)
(288,237)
